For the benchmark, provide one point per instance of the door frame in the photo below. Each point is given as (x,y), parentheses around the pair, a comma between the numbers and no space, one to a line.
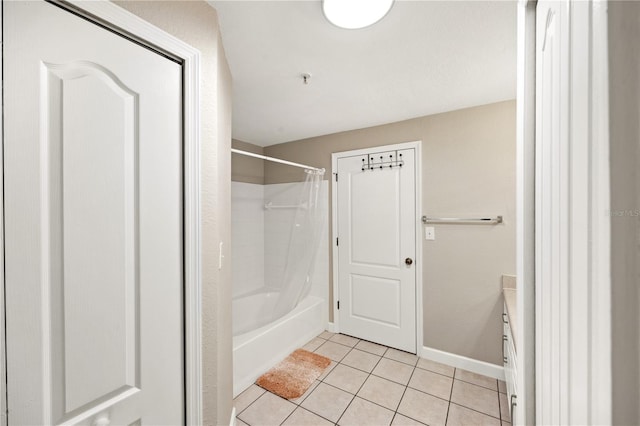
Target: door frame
(525,209)
(583,355)
(133,27)
(417,145)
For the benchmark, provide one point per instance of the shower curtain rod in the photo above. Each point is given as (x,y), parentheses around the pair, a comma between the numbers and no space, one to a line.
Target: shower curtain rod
(275,160)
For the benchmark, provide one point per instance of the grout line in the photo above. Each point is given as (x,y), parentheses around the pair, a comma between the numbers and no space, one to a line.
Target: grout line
(322,417)
(453,382)
(415,364)
(292,411)
(473,409)
(251,403)
(354,395)
(436,372)
(365,380)
(395,413)
(312,412)
(404,392)
(475,384)
(499,409)
(373,343)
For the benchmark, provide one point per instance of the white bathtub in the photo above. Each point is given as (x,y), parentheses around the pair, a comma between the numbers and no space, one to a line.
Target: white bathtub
(256,351)
(253,311)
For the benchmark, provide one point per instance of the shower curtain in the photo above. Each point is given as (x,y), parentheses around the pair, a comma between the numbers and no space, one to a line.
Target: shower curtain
(304,240)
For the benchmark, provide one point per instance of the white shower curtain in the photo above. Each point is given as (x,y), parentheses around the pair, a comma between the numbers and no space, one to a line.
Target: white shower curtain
(306,231)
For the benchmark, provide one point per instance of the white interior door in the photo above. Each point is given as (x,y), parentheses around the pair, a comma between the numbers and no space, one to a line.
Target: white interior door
(93,219)
(376,207)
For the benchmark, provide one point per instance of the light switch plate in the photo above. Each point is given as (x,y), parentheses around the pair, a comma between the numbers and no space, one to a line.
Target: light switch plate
(429,233)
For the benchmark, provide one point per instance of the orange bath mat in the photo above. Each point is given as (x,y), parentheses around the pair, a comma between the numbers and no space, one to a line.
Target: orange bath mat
(293,376)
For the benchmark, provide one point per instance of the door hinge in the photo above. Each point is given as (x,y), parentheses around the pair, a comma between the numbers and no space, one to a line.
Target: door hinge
(337,242)
(338,305)
(336,177)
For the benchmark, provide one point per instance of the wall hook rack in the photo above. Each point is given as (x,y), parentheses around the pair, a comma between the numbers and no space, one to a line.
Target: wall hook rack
(382,161)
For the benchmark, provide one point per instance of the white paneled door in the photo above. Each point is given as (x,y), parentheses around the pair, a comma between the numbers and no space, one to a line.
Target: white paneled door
(376,207)
(93,219)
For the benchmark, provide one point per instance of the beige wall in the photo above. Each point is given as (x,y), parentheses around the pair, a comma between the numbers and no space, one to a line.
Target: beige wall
(247,169)
(196,23)
(624,63)
(468,169)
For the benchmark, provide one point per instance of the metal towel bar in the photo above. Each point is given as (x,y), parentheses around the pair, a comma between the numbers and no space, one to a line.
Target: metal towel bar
(481,220)
(271,206)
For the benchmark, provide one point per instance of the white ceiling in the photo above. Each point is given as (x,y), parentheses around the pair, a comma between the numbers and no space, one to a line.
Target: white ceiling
(424,57)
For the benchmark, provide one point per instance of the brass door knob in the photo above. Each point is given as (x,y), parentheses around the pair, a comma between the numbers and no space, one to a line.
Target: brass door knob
(408,261)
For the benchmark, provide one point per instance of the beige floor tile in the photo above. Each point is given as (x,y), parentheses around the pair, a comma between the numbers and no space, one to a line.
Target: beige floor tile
(401,356)
(327,401)
(365,413)
(432,383)
(382,391)
(461,416)
(506,424)
(477,379)
(240,422)
(327,370)
(346,378)
(245,399)
(393,370)
(332,350)
(436,367)
(361,360)
(306,394)
(504,408)
(400,420)
(475,397)
(502,386)
(326,335)
(313,344)
(302,417)
(267,410)
(372,348)
(344,340)
(423,407)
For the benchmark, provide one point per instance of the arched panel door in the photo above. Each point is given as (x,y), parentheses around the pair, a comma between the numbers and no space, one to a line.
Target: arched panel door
(93,220)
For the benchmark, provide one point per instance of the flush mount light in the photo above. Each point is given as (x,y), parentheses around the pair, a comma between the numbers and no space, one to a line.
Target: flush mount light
(353,14)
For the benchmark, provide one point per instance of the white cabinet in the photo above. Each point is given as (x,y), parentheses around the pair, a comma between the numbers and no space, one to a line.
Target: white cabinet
(510,362)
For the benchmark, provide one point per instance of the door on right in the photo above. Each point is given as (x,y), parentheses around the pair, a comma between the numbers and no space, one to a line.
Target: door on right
(376,229)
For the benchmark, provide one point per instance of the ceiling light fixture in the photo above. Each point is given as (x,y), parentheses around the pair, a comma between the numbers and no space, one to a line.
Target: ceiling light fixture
(354,14)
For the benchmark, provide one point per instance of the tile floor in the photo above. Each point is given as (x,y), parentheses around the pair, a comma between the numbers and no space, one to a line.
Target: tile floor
(368,384)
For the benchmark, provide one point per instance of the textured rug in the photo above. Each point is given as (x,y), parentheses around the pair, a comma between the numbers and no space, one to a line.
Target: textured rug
(293,376)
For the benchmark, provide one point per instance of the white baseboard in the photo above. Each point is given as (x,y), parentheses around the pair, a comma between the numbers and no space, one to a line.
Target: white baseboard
(232,421)
(459,361)
(331,327)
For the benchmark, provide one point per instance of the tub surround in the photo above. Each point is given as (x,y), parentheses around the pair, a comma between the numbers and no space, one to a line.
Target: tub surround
(277,230)
(260,237)
(247,238)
